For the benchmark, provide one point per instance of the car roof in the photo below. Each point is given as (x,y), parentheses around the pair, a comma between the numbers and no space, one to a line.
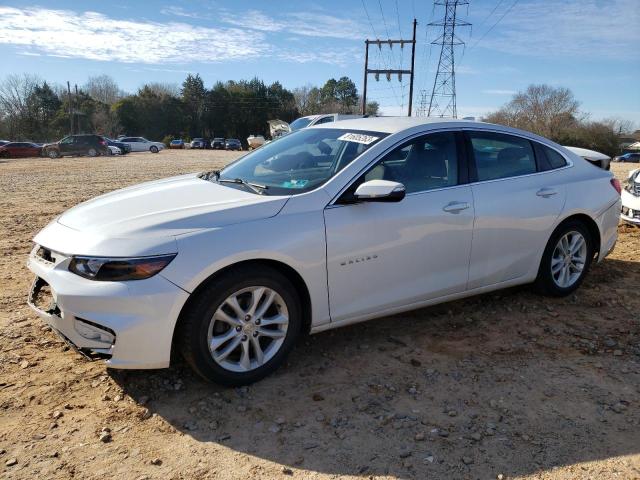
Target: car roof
(393,124)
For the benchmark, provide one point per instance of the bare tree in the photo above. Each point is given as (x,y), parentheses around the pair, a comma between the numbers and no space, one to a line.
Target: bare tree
(541,109)
(15,92)
(104,89)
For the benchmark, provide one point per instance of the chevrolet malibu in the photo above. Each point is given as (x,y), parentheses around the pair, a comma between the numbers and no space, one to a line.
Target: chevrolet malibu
(327,226)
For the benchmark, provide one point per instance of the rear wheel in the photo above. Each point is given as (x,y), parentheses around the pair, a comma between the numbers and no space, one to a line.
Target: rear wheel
(4,154)
(153,149)
(241,327)
(566,259)
(53,153)
(92,152)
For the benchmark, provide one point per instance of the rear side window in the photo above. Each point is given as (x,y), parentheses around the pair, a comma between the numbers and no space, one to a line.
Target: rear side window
(324,120)
(548,158)
(501,156)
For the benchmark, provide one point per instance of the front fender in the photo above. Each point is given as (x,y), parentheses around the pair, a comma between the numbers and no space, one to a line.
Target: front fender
(203,253)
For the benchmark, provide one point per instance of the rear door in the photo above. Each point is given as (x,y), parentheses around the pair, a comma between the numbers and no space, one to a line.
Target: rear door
(516,206)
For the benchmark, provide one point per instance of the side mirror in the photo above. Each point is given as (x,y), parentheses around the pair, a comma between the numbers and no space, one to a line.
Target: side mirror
(380,191)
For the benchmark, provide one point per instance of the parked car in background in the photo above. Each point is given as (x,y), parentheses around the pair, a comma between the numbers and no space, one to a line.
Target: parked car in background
(176,144)
(255,141)
(202,143)
(218,144)
(113,150)
(20,149)
(232,144)
(77,145)
(631,199)
(311,120)
(141,144)
(628,157)
(325,227)
(596,158)
(123,147)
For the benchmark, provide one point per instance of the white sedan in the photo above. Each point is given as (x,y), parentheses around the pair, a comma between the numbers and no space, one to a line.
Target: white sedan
(141,144)
(631,198)
(325,227)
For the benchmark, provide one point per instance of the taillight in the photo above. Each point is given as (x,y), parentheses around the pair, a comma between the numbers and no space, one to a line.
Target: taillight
(615,183)
(102,142)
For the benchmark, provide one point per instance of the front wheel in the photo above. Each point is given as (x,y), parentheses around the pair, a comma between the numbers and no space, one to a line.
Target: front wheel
(153,149)
(53,153)
(566,260)
(241,326)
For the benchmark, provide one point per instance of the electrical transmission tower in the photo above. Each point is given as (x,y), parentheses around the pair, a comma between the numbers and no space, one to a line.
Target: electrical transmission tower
(443,95)
(422,106)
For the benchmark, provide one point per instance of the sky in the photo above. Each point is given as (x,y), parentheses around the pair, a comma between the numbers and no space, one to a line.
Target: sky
(589,46)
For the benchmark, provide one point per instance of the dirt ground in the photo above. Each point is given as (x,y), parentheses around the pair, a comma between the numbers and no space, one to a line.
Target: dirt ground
(505,385)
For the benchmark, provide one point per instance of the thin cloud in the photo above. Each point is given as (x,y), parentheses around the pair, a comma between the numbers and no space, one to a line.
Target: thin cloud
(179,12)
(587,28)
(95,36)
(497,91)
(307,24)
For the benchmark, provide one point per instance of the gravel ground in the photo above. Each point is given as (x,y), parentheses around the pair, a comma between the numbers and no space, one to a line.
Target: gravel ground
(505,385)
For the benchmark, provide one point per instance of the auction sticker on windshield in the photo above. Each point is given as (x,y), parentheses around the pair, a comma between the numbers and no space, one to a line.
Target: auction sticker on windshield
(358,138)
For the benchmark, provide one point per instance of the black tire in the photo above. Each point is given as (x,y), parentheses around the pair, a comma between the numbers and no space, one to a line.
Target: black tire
(545,284)
(153,149)
(92,152)
(53,153)
(4,154)
(194,325)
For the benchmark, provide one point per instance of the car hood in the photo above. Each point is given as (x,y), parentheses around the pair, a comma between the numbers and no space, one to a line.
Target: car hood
(170,206)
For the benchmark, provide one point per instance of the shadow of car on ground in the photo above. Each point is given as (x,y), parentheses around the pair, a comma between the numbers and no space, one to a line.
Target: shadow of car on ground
(508,382)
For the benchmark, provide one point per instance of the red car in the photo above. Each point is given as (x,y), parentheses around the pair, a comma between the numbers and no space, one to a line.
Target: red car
(20,149)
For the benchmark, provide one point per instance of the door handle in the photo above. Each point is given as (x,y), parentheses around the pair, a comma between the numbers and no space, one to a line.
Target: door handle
(546,192)
(455,207)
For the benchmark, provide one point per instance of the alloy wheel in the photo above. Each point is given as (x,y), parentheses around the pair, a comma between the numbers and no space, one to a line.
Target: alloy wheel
(248,329)
(568,259)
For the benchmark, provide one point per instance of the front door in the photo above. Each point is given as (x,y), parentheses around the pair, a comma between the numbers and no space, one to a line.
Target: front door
(383,256)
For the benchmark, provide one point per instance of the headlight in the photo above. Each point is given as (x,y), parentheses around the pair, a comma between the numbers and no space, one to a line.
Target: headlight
(119,269)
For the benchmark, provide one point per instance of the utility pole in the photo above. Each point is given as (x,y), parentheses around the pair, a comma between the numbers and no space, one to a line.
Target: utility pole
(75,108)
(70,108)
(443,95)
(389,72)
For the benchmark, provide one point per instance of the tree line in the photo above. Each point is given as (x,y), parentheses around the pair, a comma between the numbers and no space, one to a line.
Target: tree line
(554,113)
(32,109)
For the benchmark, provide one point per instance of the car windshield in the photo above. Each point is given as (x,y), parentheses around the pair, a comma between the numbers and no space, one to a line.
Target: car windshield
(300,123)
(301,161)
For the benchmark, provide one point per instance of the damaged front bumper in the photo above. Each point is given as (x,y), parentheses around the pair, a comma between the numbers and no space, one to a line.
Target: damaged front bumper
(130,324)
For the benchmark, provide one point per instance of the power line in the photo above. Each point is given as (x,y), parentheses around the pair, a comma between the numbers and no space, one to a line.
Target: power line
(494,25)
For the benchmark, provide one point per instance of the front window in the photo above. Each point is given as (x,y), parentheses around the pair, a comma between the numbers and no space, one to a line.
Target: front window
(300,123)
(425,163)
(301,161)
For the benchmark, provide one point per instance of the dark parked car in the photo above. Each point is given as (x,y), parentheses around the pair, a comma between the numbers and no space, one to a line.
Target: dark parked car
(218,144)
(20,149)
(77,145)
(233,144)
(200,143)
(177,143)
(628,157)
(124,148)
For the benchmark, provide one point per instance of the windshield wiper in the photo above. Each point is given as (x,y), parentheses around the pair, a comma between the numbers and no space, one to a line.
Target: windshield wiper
(255,187)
